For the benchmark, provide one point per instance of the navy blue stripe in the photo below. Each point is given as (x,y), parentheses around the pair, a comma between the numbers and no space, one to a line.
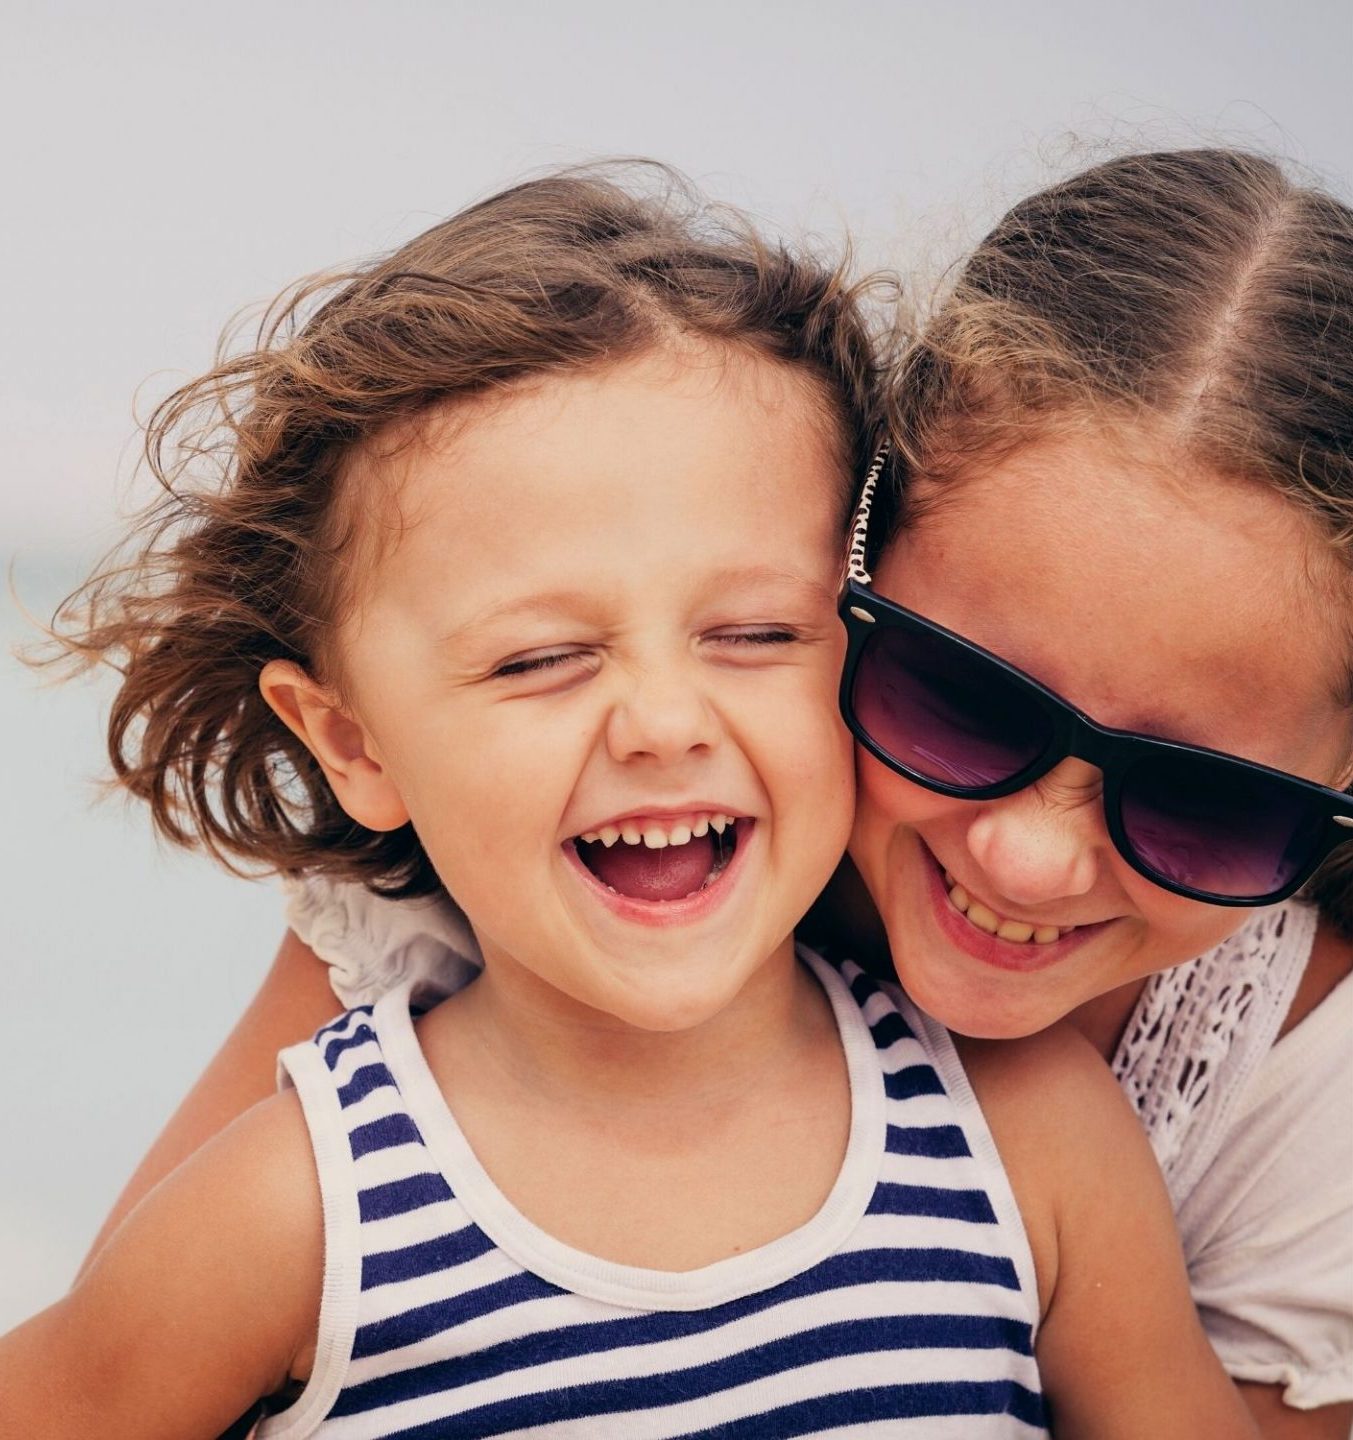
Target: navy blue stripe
(913,1080)
(858,1267)
(889,1029)
(939,1142)
(334,1026)
(445,1252)
(360,1036)
(398,1197)
(826,1414)
(383,1134)
(382,1336)
(971,1205)
(878,1334)
(862,988)
(363,1082)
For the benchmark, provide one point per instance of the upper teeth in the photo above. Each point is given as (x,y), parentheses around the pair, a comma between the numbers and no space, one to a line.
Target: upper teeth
(657,834)
(1017,930)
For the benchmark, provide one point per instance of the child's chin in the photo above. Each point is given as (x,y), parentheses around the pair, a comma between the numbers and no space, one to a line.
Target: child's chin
(670,1006)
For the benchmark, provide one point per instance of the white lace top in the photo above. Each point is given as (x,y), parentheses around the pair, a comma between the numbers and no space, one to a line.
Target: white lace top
(1255,1138)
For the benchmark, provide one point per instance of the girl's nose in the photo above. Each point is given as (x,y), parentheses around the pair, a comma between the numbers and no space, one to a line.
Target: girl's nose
(662,716)
(1045,842)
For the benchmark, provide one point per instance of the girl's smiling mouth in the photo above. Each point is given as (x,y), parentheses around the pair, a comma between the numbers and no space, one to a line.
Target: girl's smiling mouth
(986,936)
(662,869)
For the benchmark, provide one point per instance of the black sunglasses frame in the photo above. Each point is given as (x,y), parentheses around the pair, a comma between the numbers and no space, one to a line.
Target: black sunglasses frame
(1072,732)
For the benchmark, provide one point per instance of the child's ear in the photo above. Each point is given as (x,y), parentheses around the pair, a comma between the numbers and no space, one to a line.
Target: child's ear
(342,746)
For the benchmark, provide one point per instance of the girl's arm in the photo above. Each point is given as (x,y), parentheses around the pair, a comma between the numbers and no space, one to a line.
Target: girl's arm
(1121,1351)
(206,1299)
(1279,1421)
(294,1000)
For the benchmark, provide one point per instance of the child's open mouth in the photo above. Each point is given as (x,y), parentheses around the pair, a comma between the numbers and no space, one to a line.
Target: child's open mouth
(660,860)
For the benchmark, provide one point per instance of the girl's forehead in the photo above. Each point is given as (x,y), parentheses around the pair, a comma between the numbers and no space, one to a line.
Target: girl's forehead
(1155,596)
(578,428)
(689,461)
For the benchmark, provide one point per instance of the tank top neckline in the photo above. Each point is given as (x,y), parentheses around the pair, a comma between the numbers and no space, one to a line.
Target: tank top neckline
(633,1286)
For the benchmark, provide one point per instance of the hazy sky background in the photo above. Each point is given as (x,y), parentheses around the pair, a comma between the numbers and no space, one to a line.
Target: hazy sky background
(166,164)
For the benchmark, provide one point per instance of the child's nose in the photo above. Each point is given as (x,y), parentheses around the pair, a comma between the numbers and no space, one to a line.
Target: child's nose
(663,716)
(1045,842)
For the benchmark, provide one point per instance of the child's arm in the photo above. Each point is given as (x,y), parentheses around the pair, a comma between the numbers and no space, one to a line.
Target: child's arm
(1121,1351)
(294,1000)
(205,1299)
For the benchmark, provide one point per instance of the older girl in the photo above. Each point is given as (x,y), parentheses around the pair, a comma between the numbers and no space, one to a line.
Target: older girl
(1125,450)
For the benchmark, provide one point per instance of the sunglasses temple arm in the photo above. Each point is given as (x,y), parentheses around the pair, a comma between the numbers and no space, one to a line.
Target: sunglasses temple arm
(859,529)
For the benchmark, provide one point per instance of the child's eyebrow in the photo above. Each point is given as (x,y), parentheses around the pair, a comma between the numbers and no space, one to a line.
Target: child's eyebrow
(547,605)
(733,577)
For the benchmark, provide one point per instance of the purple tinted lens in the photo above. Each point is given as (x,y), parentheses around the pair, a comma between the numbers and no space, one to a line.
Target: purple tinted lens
(944,713)
(1218,828)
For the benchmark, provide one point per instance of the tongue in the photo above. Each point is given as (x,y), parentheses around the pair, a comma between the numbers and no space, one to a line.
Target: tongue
(645,874)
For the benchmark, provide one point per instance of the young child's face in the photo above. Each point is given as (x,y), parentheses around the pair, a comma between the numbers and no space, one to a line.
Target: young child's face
(610,608)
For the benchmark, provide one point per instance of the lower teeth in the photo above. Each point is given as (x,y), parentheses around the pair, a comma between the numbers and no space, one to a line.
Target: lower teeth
(724,845)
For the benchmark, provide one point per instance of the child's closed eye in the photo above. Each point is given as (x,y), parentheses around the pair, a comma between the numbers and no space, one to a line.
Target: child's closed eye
(541,663)
(759,635)
(753,642)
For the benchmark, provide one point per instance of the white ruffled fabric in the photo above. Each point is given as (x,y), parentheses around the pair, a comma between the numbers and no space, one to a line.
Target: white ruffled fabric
(372,944)
(1252,1136)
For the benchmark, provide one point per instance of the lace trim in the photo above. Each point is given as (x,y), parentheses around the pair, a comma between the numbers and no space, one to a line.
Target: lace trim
(1199,1032)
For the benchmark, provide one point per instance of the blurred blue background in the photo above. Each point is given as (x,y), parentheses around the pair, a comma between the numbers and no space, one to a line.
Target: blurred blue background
(166,164)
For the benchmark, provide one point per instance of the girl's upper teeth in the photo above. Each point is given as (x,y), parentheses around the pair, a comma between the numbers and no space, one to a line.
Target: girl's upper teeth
(1017,930)
(658,834)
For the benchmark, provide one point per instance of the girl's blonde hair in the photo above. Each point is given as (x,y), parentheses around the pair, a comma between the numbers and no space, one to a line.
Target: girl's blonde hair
(1201,291)
(244,558)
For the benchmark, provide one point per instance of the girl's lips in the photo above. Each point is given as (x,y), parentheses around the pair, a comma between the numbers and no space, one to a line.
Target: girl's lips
(669,912)
(991,950)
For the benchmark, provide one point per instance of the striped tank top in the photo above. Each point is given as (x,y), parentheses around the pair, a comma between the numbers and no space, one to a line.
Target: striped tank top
(905,1307)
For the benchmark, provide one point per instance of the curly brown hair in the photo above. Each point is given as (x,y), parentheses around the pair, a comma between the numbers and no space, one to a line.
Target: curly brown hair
(244,558)
(1203,290)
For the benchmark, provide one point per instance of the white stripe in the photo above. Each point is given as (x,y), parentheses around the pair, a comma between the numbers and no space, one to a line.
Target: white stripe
(376,1105)
(394,1162)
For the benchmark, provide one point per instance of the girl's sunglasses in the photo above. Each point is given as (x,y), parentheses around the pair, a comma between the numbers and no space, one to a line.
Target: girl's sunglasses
(959,720)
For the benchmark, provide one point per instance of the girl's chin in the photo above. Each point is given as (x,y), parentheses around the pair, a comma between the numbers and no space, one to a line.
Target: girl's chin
(979,1011)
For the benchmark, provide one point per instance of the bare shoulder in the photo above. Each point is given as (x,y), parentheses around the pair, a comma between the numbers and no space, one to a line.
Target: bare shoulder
(204,1299)
(1061,1124)
(246,1203)
(268,1152)
(1032,1088)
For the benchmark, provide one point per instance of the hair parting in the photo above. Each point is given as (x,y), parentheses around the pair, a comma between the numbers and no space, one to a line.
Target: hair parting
(1202,293)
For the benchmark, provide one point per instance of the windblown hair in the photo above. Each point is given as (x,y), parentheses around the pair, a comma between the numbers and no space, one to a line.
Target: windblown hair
(1201,291)
(245,558)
